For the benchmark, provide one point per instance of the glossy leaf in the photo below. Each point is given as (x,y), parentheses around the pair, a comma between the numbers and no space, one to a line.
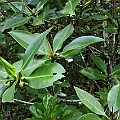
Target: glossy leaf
(79,43)
(100,63)
(45,75)
(98,17)
(9,68)
(89,116)
(15,22)
(33,48)
(8,95)
(114,98)
(90,101)
(61,36)
(93,74)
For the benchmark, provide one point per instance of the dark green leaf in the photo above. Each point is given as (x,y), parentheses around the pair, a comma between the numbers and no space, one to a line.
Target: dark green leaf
(114,98)
(98,17)
(90,101)
(61,36)
(79,43)
(116,71)
(93,74)
(100,63)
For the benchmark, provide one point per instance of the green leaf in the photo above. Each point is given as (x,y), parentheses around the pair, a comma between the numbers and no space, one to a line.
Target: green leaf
(2,79)
(19,7)
(15,22)
(79,43)
(3,1)
(8,95)
(90,101)
(89,116)
(114,98)
(100,63)
(39,19)
(116,71)
(33,48)
(98,17)
(25,38)
(70,7)
(10,69)
(61,36)
(110,28)
(40,5)
(93,74)
(45,75)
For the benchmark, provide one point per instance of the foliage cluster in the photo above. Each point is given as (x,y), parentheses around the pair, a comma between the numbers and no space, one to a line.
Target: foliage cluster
(49,48)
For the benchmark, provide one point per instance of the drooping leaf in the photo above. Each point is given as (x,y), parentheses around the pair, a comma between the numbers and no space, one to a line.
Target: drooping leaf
(45,75)
(89,116)
(33,48)
(90,101)
(100,63)
(15,22)
(8,95)
(93,74)
(9,68)
(99,17)
(113,99)
(79,43)
(61,36)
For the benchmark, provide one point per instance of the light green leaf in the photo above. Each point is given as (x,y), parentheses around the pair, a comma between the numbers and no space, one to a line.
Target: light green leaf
(45,75)
(38,20)
(89,116)
(8,95)
(33,48)
(113,99)
(61,36)
(2,79)
(100,63)
(90,101)
(98,17)
(9,68)
(93,74)
(79,43)
(70,7)
(3,72)
(15,22)
(3,1)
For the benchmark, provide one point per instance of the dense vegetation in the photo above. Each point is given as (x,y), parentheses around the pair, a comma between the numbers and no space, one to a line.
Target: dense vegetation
(59,59)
